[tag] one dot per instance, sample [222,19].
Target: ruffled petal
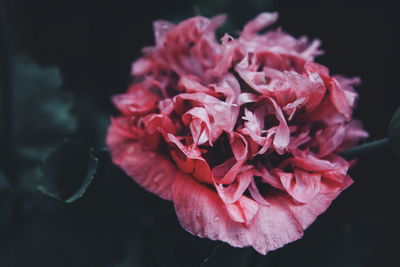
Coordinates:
[241,134]
[282,135]
[139,100]
[189,160]
[201,212]
[199,124]
[231,193]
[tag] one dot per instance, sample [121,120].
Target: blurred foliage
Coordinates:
[61,182]
[394,132]
[42,116]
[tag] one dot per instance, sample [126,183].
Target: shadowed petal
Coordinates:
[152,170]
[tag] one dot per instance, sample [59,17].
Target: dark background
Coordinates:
[93,43]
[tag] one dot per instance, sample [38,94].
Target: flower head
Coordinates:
[242,134]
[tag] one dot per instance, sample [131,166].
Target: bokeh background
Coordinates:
[84,49]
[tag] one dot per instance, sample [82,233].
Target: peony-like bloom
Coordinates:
[242,135]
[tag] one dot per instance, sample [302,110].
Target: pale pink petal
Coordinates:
[347,85]
[231,193]
[309,162]
[238,145]
[243,210]
[199,124]
[224,114]
[339,99]
[260,22]
[191,84]
[245,98]
[291,108]
[311,88]
[282,135]
[330,138]
[161,28]
[302,186]
[256,195]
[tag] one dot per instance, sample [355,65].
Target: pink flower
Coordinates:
[242,135]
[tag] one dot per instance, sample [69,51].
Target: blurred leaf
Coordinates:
[394,132]
[4,185]
[42,111]
[42,116]
[67,172]
[5,208]
[92,121]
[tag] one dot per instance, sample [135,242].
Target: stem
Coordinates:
[6,152]
[366,149]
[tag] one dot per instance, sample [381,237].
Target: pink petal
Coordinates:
[347,85]
[234,191]
[139,100]
[161,28]
[243,210]
[307,213]
[282,135]
[245,98]
[291,108]
[260,22]
[339,99]
[271,179]
[191,84]
[329,139]
[238,145]
[224,114]
[189,160]
[155,122]
[199,124]
[309,162]
[201,212]
[226,172]
[312,89]
[256,195]
[152,170]
[302,186]
[123,126]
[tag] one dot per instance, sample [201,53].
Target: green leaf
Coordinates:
[394,132]
[67,172]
